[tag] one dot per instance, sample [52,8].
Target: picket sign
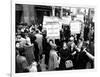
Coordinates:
[80,17]
[52,26]
[75,27]
[66,20]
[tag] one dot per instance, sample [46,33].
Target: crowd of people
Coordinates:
[36,53]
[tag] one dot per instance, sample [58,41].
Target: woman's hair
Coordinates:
[17,42]
[21,51]
[51,41]
[37,31]
[23,34]
[64,43]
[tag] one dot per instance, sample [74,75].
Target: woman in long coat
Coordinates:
[53,58]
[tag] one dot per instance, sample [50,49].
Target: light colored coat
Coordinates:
[53,60]
[39,38]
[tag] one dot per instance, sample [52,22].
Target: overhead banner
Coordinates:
[52,26]
[75,27]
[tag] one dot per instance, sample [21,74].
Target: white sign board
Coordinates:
[80,17]
[66,20]
[74,11]
[52,26]
[75,27]
[53,30]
